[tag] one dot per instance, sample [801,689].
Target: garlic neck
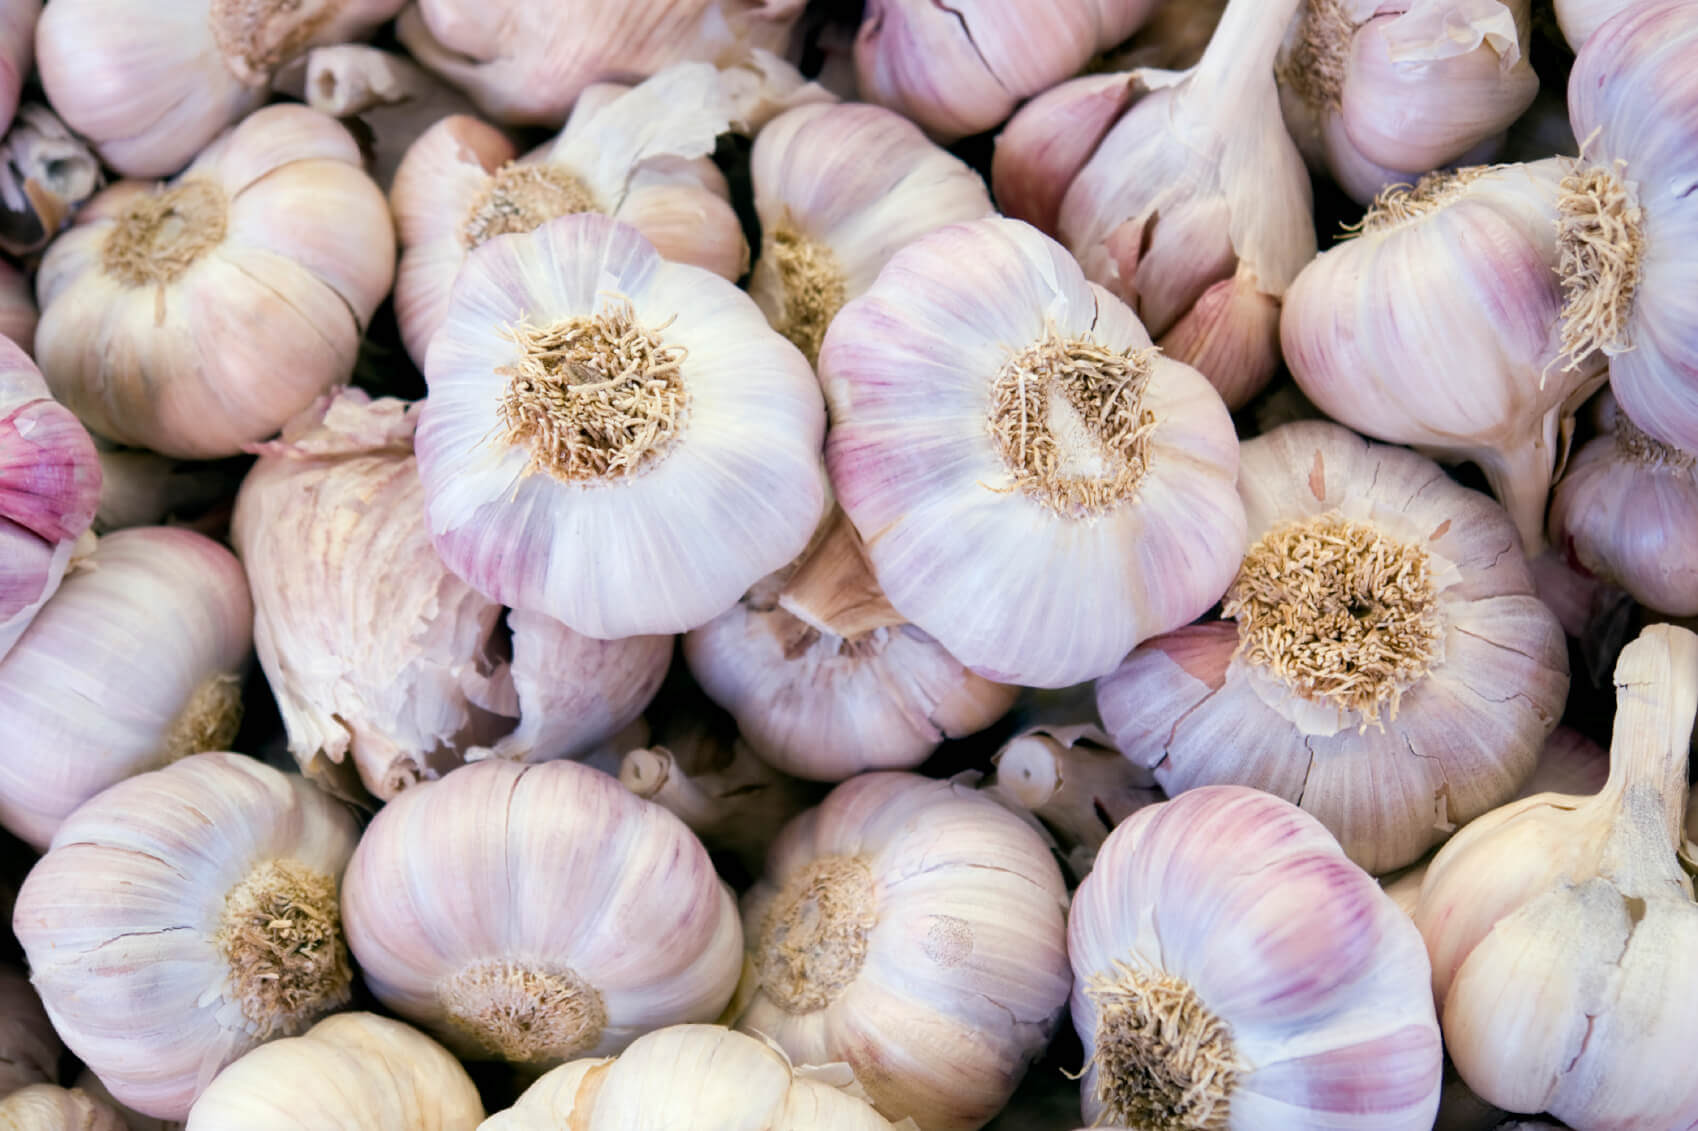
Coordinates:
[161,235]
[814,939]
[834,591]
[1239,60]
[1656,681]
[521,198]
[281,935]
[812,283]
[1601,246]
[523,1013]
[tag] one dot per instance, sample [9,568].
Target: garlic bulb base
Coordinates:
[522,197]
[520,1014]
[1163,1061]
[161,235]
[281,934]
[814,941]
[208,721]
[1601,237]
[809,283]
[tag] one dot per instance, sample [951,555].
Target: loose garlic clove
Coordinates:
[198,318]
[350,1072]
[46,173]
[29,1048]
[185,916]
[913,929]
[1382,662]
[1233,971]
[47,1107]
[1038,488]
[154,626]
[538,913]
[648,505]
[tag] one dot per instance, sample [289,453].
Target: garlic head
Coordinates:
[48,1107]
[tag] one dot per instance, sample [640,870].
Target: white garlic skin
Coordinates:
[29,1048]
[155,627]
[47,1107]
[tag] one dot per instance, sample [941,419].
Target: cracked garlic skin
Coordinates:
[1232,971]
[915,930]
[1037,487]
[48,1107]
[154,626]
[1560,926]
[29,1048]
[185,916]
[1381,659]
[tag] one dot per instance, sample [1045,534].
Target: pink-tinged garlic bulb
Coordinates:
[378,655]
[1233,971]
[46,173]
[1439,326]
[1381,660]
[18,315]
[47,1107]
[196,318]
[49,490]
[29,1048]
[839,190]
[613,440]
[1037,487]
[539,913]
[638,154]
[915,930]
[526,65]
[1578,19]
[151,85]
[1378,92]
[185,916]
[961,69]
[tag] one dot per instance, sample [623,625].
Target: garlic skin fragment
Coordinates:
[1558,925]
[197,318]
[29,1048]
[1036,544]
[915,930]
[1233,971]
[47,1107]
[349,1072]
[185,916]
[647,509]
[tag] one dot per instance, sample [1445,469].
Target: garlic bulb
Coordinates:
[1037,487]
[17,52]
[366,1072]
[17,307]
[538,913]
[616,441]
[1381,660]
[639,154]
[839,190]
[693,1076]
[915,930]
[154,626]
[1232,970]
[29,1048]
[46,173]
[47,1107]
[150,86]
[185,916]
[1379,92]
[1558,926]
[131,1119]
[1438,327]
[1578,19]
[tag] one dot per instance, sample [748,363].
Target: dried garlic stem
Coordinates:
[1080,791]
[1601,238]
[738,808]
[1656,682]
[523,197]
[834,590]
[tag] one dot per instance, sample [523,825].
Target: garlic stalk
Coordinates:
[47,1107]
[1578,19]
[18,315]
[185,916]
[1038,488]
[1558,925]
[46,173]
[29,1048]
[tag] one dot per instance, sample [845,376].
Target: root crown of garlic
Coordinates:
[521,1013]
[281,934]
[158,237]
[813,941]
[521,198]
[1601,240]
[1316,63]
[813,284]
[1163,1060]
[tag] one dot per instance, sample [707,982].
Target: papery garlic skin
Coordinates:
[1031,569]
[1233,970]
[47,1107]
[29,1048]
[197,318]
[185,916]
[365,1072]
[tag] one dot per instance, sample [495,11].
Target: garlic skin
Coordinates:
[1557,925]
[198,318]
[150,88]
[647,510]
[46,173]
[132,1120]
[1383,662]
[1232,970]
[1035,544]
[366,1072]
[185,916]
[538,913]
[47,1107]
[29,1048]
[915,930]
[639,154]
[1438,326]
[1578,19]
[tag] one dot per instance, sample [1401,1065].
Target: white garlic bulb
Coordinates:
[185,916]
[915,930]
[154,627]
[538,913]
[1233,971]
[196,318]
[1038,489]
[349,1072]
[614,440]
[1578,19]
[47,1107]
[29,1048]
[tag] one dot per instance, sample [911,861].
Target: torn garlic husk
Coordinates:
[197,317]
[48,1107]
[1558,925]
[150,87]
[185,916]
[46,173]
[29,1048]
[1232,971]
[1439,326]
[612,439]
[1037,487]
[1381,660]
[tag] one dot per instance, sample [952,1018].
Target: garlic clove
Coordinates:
[1231,333]
[1044,146]
[687,224]
[47,1107]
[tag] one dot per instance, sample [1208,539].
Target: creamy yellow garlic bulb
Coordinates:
[29,1048]
[47,1107]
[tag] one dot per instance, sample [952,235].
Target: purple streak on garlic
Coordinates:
[1037,487]
[29,1048]
[1233,971]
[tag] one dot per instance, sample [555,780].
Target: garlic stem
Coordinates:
[737,808]
[1656,681]
[834,590]
[1520,477]
[654,775]
[1240,56]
